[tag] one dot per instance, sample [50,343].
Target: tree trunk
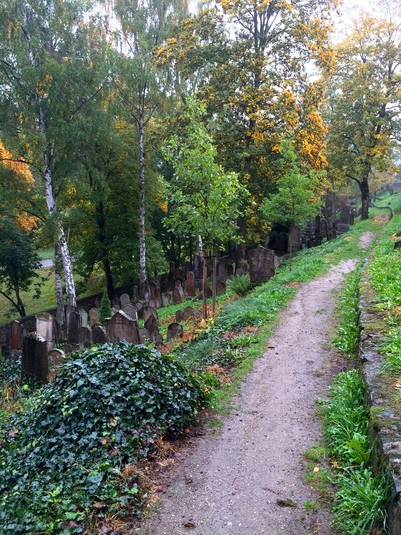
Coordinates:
[364,187]
[142,209]
[58,265]
[52,208]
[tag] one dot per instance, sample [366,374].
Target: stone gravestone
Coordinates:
[147,312]
[222,268]
[191,284]
[99,335]
[174,330]
[156,298]
[124,300]
[131,311]
[135,294]
[188,313]
[35,364]
[116,303]
[73,327]
[221,288]
[122,327]
[310,232]
[56,357]
[166,298]
[44,327]
[93,316]
[17,336]
[84,337]
[144,335]
[323,228]
[179,316]
[344,223]
[145,292]
[261,265]
[83,317]
[151,325]
[179,287]
[295,236]
[176,296]
[156,338]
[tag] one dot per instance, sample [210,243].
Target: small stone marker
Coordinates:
[99,335]
[191,284]
[93,316]
[124,300]
[131,311]
[174,330]
[188,313]
[122,327]
[85,337]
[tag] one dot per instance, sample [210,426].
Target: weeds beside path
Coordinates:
[249,479]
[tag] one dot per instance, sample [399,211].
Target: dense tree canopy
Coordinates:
[89,98]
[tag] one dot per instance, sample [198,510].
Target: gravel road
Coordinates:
[249,479]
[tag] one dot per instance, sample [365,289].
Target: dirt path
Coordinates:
[232,483]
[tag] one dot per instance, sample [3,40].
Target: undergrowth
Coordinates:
[361,498]
[71,455]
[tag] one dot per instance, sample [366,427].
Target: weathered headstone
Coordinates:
[344,223]
[144,335]
[177,296]
[151,325]
[135,294]
[35,364]
[191,284]
[174,330]
[188,313]
[166,286]
[93,316]
[56,357]
[156,338]
[17,335]
[83,317]
[145,291]
[166,298]
[221,288]
[116,303]
[295,239]
[179,316]
[73,327]
[179,287]
[147,312]
[198,266]
[122,327]
[85,337]
[261,265]
[99,335]
[44,327]
[222,268]
[131,311]
[124,300]
[156,299]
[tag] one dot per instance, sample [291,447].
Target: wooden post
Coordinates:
[214,282]
[204,284]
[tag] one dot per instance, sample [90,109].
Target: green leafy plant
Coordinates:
[105,308]
[64,457]
[347,335]
[239,284]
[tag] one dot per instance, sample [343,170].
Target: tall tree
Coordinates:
[250,58]
[19,263]
[363,102]
[145,24]
[48,73]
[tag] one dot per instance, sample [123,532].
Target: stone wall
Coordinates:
[385,421]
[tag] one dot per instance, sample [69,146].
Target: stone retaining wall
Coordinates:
[385,421]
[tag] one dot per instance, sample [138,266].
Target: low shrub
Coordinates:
[64,458]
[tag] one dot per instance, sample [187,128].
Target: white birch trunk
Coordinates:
[52,208]
[142,208]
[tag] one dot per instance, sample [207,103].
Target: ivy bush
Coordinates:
[65,456]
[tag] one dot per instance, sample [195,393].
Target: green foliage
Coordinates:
[105,308]
[360,503]
[65,454]
[296,196]
[361,498]
[19,262]
[239,284]
[204,200]
[347,335]
[345,419]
